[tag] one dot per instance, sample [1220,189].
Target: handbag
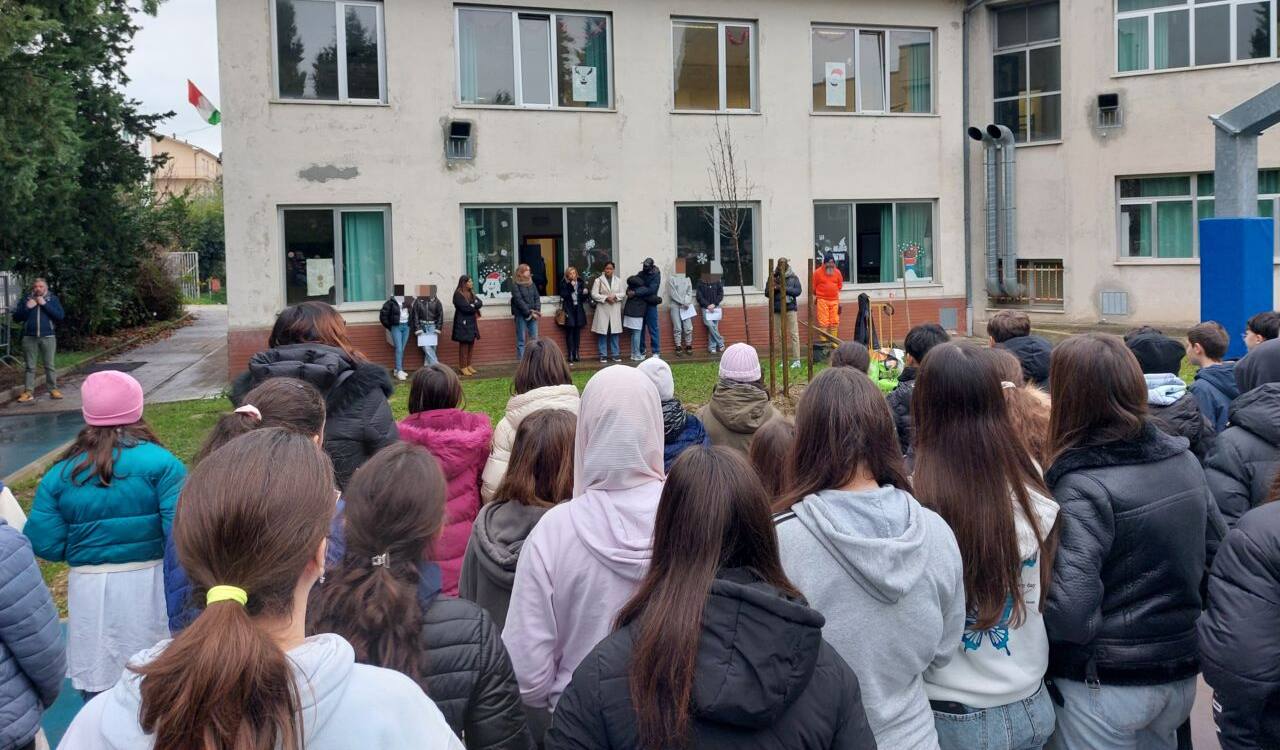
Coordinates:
[561,319]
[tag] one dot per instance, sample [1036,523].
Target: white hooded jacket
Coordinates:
[504,435]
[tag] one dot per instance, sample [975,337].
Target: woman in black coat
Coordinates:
[1245,456]
[309,342]
[716,649]
[573,301]
[384,598]
[466,309]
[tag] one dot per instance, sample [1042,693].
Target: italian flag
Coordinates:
[208,112]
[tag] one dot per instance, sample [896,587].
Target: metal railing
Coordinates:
[1042,283]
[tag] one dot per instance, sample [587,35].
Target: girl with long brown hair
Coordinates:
[884,570]
[971,470]
[1029,406]
[106,508]
[539,477]
[251,532]
[717,649]
[466,325]
[1126,582]
[385,598]
[770,453]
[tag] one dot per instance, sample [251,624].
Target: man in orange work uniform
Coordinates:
[827,283]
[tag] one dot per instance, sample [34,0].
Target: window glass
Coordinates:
[309,259]
[743,227]
[1042,23]
[1127,5]
[1030,72]
[1132,52]
[1175,229]
[833,233]
[1253,31]
[1204,209]
[535,60]
[1205,183]
[697,65]
[1009,114]
[306,49]
[1044,117]
[1011,27]
[871,66]
[362,52]
[1213,35]
[1135,230]
[707,250]
[1269,181]
[1011,74]
[910,71]
[589,240]
[914,237]
[486,57]
[876,255]
[490,249]
[1046,69]
[696,241]
[737,67]
[582,52]
[1173,39]
[364,256]
[1154,187]
[833,70]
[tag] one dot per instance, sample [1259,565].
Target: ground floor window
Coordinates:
[876,243]
[496,239]
[335,254]
[1159,216]
[705,238]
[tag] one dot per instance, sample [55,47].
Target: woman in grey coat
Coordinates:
[681,298]
[32,656]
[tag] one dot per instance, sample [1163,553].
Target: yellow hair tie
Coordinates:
[226,593]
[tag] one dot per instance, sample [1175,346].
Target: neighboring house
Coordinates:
[189,167]
[437,138]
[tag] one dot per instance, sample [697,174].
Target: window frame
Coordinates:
[517,64]
[1196,200]
[338,209]
[930,280]
[1191,6]
[856,30]
[756,208]
[1025,49]
[722,73]
[340,37]
[515,233]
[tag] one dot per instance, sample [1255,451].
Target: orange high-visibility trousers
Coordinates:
[829,314]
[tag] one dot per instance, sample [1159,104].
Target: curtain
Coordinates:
[1132,40]
[920,93]
[596,55]
[888,253]
[1174,229]
[467,52]
[915,227]
[364,256]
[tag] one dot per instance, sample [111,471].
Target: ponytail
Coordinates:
[293,404]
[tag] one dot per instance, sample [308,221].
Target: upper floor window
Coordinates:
[534,59]
[1159,216]
[330,50]
[1164,34]
[856,70]
[714,65]
[1028,72]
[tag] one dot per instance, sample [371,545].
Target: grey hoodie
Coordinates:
[886,573]
[489,565]
[344,705]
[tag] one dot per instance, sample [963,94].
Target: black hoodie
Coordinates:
[1033,352]
[765,679]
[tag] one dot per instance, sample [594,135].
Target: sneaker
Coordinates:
[402,375]
[55,394]
[688,350]
[795,365]
[604,360]
[617,360]
[656,355]
[26,397]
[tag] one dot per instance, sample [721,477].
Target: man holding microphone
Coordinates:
[38,312]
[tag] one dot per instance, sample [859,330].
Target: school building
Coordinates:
[369,143]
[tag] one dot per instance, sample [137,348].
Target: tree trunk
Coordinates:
[742,285]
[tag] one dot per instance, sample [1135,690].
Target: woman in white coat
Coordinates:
[608,292]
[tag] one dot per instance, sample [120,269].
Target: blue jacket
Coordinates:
[32,655]
[95,524]
[38,320]
[1215,388]
[693,433]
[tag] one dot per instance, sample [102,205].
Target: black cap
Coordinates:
[1156,353]
[648,262]
[828,257]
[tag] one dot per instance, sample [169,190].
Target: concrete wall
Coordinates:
[641,156]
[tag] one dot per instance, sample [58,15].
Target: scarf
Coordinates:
[673,419]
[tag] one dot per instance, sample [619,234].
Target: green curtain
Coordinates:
[1174,230]
[920,91]
[364,256]
[1204,209]
[1132,53]
[467,52]
[889,263]
[473,221]
[596,54]
[915,227]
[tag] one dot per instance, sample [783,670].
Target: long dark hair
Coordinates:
[967,467]
[540,472]
[843,425]
[462,289]
[289,403]
[223,682]
[713,514]
[1098,393]
[769,454]
[1028,406]
[543,365]
[434,387]
[312,323]
[395,507]
[101,447]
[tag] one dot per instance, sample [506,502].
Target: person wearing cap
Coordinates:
[650,290]
[106,508]
[680,429]
[739,404]
[826,286]
[1169,402]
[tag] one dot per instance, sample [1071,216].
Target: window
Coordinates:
[714,65]
[1157,218]
[330,50]
[1165,34]
[534,59]
[876,243]
[705,239]
[548,238]
[1028,72]
[336,255]
[850,72]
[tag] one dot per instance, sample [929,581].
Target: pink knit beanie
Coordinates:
[740,362]
[110,399]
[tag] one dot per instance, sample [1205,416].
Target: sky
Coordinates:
[178,43]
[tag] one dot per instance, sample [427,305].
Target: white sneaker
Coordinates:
[795,365]
[402,375]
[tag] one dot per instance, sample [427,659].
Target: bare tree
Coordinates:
[731,193]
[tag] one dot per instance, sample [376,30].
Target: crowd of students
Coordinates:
[1019,548]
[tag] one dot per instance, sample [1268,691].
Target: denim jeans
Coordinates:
[651,325]
[607,344]
[429,352]
[525,328]
[400,336]
[715,342]
[44,348]
[637,343]
[1123,717]
[1025,725]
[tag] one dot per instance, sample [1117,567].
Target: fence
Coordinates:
[1042,282]
[185,269]
[10,293]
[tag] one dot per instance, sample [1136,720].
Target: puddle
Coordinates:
[26,437]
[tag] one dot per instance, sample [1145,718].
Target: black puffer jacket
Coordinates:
[525,301]
[358,421]
[470,676]
[1244,458]
[791,288]
[1239,637]
[1033,352]
[1183,418]
[900,404]
[765,679]
[1126,582]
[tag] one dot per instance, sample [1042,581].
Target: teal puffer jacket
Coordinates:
[95,524]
